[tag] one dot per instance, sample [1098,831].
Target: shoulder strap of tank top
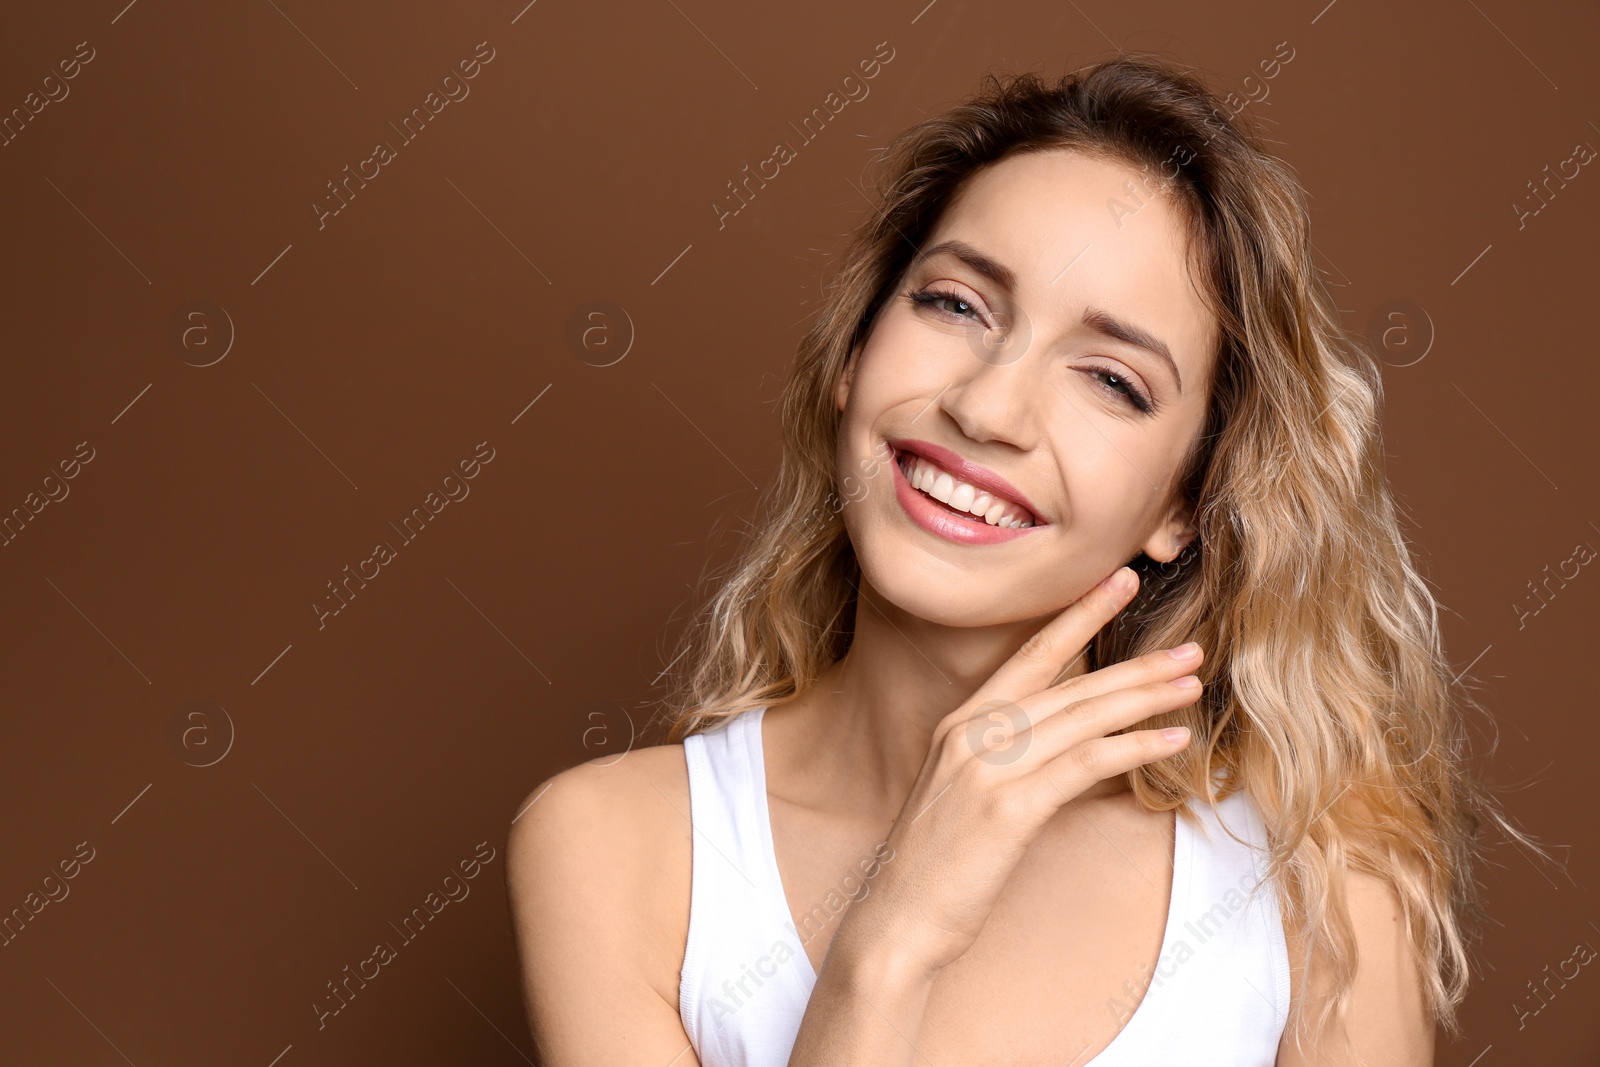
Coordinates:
[736,902]
[1231,862]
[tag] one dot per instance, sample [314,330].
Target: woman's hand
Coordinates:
[999,768]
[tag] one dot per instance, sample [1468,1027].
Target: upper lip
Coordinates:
[967,471]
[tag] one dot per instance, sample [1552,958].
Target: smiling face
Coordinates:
[1067,435]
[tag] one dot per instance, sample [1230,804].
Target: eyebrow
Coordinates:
[1097,319]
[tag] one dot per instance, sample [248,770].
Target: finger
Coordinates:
[1161,665]
[1075,770]
[1001,733]
[995,717]
[1087,721]
[1043,657]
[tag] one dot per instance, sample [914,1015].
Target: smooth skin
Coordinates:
[1025,894]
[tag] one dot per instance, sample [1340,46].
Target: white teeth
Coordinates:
[962,496]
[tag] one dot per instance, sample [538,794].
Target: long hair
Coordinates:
[1327,696]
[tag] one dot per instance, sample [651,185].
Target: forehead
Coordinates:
[1085,231]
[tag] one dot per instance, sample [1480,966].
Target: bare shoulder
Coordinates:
[605,798]
[1388,1021]
[598,873]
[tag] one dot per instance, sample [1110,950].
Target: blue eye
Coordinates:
[931,297]
[1123,387]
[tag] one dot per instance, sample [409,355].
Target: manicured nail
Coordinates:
[1121,581]
[1188,681]
[1184,651]
[1176,733]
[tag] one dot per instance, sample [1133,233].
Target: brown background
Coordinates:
[359,762]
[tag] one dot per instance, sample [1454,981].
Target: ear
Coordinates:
[1174,534]
[841,388]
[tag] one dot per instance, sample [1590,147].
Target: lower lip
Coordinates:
[941,521]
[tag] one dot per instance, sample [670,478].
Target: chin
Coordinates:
[942,591]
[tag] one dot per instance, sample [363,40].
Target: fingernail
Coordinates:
[1121,581]
[1184,651]
[1188,681]
[1176,733]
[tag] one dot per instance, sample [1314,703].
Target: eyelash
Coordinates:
[930,297]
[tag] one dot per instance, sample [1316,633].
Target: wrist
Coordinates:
[872,959]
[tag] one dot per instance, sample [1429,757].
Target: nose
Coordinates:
[997,401]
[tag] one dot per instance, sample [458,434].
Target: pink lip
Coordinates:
[967,471]
[938,519]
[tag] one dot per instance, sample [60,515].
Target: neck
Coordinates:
[869,720]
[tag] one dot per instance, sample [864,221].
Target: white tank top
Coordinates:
[1219,995]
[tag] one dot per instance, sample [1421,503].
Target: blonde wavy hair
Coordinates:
[1325,679]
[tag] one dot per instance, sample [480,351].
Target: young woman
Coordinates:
[1076,700]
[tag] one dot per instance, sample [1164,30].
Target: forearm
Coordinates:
[866,1007]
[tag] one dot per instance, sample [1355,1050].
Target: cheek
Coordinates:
[903,368]
[862,405]
[911,352]
[1110,472]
